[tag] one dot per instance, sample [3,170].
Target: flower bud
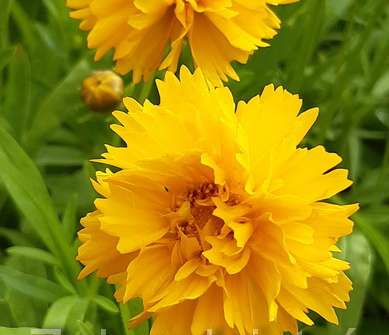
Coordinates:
[102,90]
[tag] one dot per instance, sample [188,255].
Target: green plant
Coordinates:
[334,53]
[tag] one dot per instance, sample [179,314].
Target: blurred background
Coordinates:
[334,53]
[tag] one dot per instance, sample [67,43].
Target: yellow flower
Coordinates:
[148,35]
[216,218]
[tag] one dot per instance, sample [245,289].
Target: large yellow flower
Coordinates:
[215,218]
[149,34]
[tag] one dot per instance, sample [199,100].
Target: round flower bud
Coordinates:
[102,90]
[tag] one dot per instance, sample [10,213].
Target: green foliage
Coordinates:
[335,54]
[15,331]
[29,285]
[357,251]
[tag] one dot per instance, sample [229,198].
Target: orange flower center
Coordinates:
[193,213]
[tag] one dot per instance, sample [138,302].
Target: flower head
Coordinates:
[148,35]
[216,218]
[102,90]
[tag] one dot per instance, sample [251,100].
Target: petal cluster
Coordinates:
[216,217]
[148,35]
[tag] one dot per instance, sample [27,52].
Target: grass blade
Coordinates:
[59,312]
[33,286]
[33,254]
[358,252]
[25,185]
[52,112]
[15,331]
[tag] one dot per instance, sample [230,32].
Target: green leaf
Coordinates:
[34,254]
[15,237]
[24,183]
[64,186]
[354,148]
[25,310]
[5,57]
[6,318]
[17,99]
[357,251]
[313,17]
[52,112]
[52,8]
[63,281]
[55,155]
[336,9]
[129,310]
[85,328]
[59,312]
[106,304]
[24,24]
[66,313]
[36,287]
[69,219]
[26,187]
[15,331]
[4,16]
[381,88]
[378,240]
[77,315]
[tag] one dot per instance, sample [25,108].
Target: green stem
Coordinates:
[385,162]
[125,316]
[146,89]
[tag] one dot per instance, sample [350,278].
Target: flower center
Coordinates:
[193,212]
[203,193]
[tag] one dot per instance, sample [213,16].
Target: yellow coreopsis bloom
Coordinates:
[148,35]
[216,218]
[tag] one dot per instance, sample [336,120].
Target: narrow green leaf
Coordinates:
[77,315]
[378,240]
[24,24]
[354,148]
[131,309]
[85,328]
[33,286]
[4,16]
[5,57]
[66,314]
[52,112]
[25,309]
[55,155]
[15,331]
[15,237]
[106,304]
[34,254]
[125,316]
[63,281]
[59,312]
[17,99]
[357,251]
[25,185]
[6,318]
[52,8]
[69,219]
[337,8]
[313,17]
